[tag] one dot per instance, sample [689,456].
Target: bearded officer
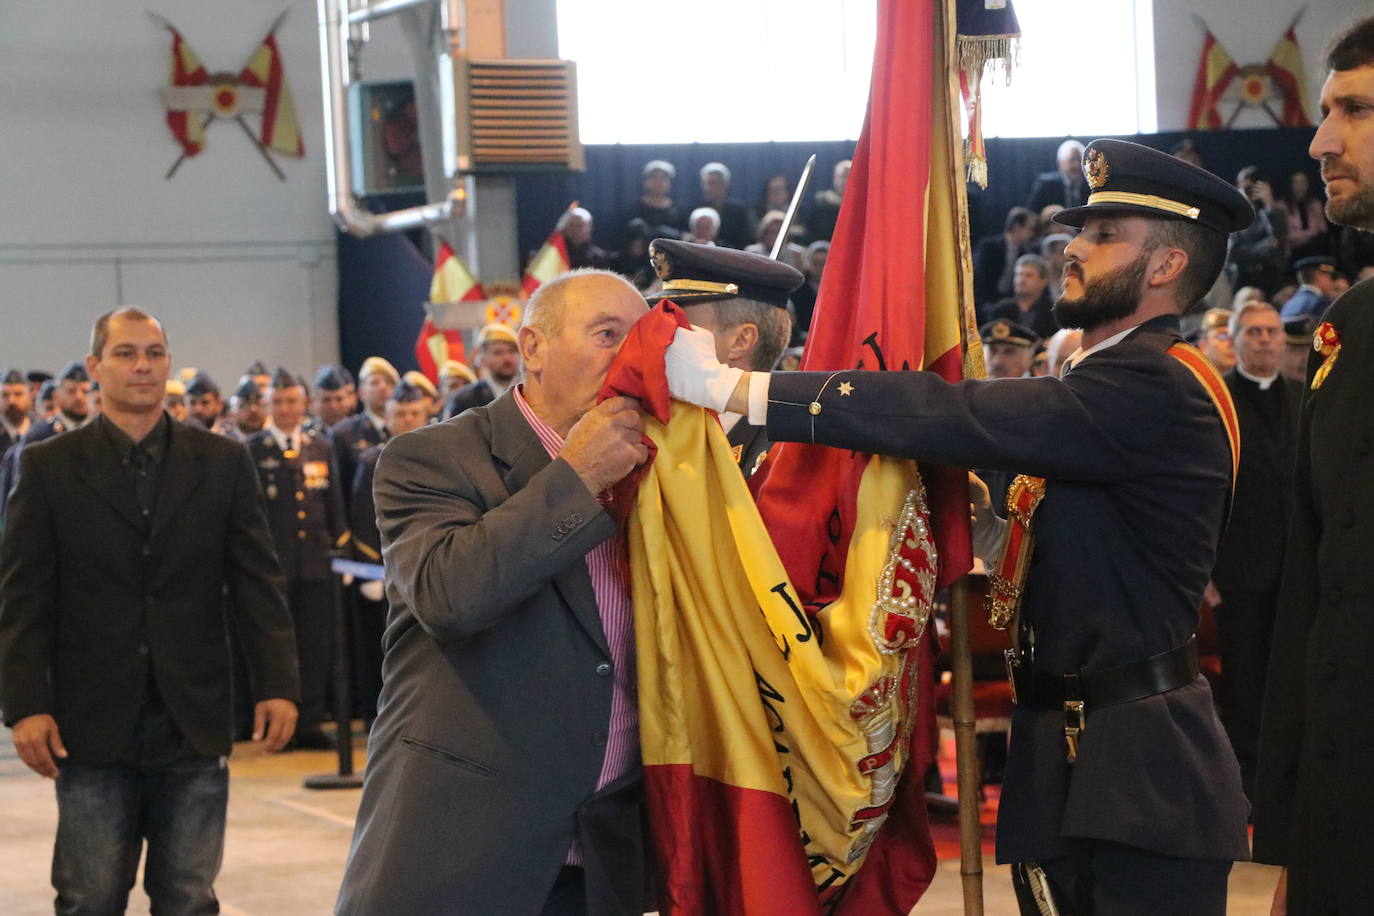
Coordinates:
[741,298]
[1121,794]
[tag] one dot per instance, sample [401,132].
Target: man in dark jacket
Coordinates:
[1314,801]
[1065,185]
[1246,577]
[122,539]
[1121,792]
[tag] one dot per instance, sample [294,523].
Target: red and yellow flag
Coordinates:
[1285,67]
[452,282]
[279,129]
[1215,71]
[547,263]
[187,70]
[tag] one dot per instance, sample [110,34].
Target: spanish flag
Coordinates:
[1215,71]
[547,263]
[187,70]
[1285,67]
[452,282]
[784,667]
[279,129]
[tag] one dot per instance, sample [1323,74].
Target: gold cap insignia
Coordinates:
[1001,331]
[662,266]
[1095,168]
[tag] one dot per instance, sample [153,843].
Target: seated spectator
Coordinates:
[1317,288]
[1307,228]
[1030,303]
[1063,344]
[825,205]
[1047,226]
[735,229]
[1040,362]
[703,226]
[1064,186]
[777,195]
[655,205]
[1007,348]
[769,227]
[1246,294]
[804,296]
[1258,254]
[577,232]
[1052,250]
[632,260]
[1214,339]
[1280,298]
[1187,150]
[994,258]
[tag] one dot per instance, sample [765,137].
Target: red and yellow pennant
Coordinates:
[187,70]
[452,282]
[1215,72]
[278,127]
[1285,68]
[548,262]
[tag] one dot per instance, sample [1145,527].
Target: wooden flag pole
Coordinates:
[966,751]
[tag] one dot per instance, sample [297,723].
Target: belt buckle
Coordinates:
[1075,723]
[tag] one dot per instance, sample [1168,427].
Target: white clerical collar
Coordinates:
[280,435]
[1263,383]
[1080,354]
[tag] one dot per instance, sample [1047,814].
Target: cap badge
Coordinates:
[1001,331]
[662,266]
[1095,168]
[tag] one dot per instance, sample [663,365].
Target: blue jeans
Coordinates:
[159,790]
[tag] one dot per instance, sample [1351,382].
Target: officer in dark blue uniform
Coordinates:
[336,396]
[15,412]
[377,379]
[741,297]
[305,513]
[70,395]
[1317,275]
[1122,795]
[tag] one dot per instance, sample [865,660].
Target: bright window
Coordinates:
[678,71]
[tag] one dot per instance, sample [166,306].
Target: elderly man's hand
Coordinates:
[605,445]
[695,375]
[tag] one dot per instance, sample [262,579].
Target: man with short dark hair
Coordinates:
[1121,792]
[204,404]
[1313,805]
[15,417]
[994,258]
[305,513]
[122,539]
[498,362]
[751,326]
[1030,304]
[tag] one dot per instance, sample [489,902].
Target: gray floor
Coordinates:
[286,845]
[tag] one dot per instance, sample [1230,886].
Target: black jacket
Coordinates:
[1138,470]
[1049,188]
[1314,799]
[94,599]
[350,437]
[473,394]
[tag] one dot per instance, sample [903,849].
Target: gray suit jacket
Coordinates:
[491,728]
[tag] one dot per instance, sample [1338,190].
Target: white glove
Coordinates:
[373,590]
[695,375]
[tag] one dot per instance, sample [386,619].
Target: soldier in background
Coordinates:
[204,406]
[247,411]
[498,362]
[305,513]
[431,394]
[406,410]
[336,396]
[355,434]
[17,404]
[174,402]
[452,376]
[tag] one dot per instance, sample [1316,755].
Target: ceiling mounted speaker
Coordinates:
[517,115]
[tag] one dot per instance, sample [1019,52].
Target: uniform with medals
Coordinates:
[305,514]
[696,275]
[1121,790]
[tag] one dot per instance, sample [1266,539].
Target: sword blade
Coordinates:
[792,208]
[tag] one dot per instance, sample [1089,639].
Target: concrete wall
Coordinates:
[1248,30]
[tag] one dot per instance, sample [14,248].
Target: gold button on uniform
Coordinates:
[301,535]
[300,496]
[815,408]
[301,515]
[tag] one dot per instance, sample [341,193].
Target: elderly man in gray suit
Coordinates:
[504,772]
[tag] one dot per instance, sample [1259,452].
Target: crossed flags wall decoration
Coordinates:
[197,97]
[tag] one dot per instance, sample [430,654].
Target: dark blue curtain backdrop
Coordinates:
[384,281]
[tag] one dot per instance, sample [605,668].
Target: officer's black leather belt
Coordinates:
[1107,686]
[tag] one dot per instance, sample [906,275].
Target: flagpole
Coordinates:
[966,750]
[182,158]
[262,148]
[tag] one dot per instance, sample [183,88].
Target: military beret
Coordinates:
[1299,330]
[13,377]
[201,384]
[333,378]
[1000,330]
[452,368]
[248,390]
[38,376]
[285,378]
[376,365]
[257,368]
[1130,178]
[74,371]
[421,381]
[497,331]
[46,389]
[1324,263]
[175,388]
[695,273]
[407,392]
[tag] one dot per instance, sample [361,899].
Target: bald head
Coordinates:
[548,307]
